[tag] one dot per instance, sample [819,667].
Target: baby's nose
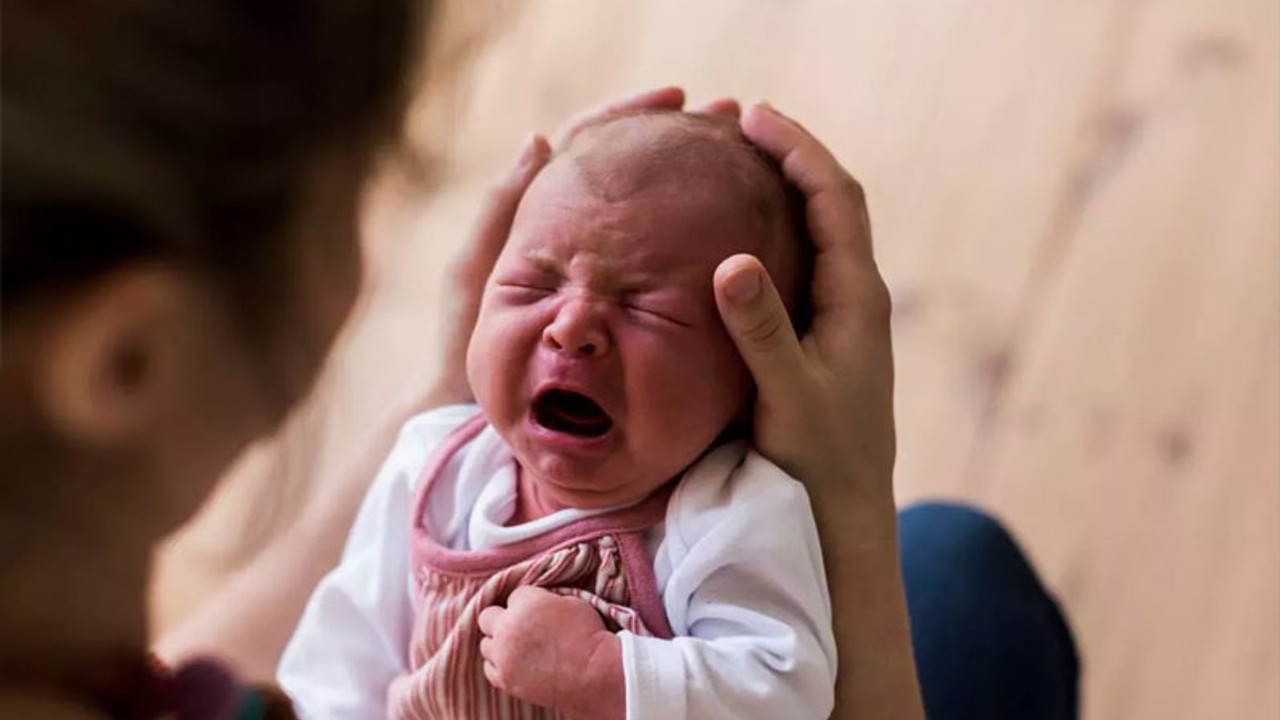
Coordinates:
[577,332]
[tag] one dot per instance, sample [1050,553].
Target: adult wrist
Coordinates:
[849,514]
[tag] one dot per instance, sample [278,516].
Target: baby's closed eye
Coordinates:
[527,288]
[659,307]
[668,307]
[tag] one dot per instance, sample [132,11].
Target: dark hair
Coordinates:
[182,129]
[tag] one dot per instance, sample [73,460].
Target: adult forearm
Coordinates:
[251,617]
[877,677]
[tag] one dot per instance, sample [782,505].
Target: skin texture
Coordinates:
[607,291]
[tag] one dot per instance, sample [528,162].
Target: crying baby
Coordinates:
[594,539]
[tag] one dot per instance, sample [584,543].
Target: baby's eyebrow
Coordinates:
[542,260]
[609,277]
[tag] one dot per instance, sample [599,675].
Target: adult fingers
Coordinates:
[727,107]
[471,265]
[666,98]
[498,210]
[835,205]
[806,162]
[757,321]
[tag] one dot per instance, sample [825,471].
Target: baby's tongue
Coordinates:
[573,413]
[579,409]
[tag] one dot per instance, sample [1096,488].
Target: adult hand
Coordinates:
[467,274]
[824,408]
[824,412]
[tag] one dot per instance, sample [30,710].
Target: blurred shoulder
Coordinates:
[33,706]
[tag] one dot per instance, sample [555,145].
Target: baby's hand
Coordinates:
[554,651]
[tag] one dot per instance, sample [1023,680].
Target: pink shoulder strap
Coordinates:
[453,442]
[628,525]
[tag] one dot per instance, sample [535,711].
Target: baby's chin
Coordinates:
[589,500]
[588,480]
[570,482]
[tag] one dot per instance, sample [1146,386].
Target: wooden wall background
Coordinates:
[1077,208]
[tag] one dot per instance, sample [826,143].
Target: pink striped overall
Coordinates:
[601,559]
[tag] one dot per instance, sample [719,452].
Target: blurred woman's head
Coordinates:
[180,188]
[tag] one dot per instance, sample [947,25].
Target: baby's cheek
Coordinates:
[693,388]
[733,380]
[497,361]
[720,360]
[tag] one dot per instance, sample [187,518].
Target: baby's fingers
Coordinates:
[494,675]
[490,620]
[489,656]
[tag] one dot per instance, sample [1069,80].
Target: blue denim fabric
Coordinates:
[990,643]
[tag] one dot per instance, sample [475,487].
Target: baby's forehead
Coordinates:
[700,168]
[626,155]
[660,228]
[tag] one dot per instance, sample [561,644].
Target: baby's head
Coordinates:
[599,355]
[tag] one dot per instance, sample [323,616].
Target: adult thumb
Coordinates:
[753,313]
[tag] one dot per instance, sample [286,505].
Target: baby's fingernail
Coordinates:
[743,286]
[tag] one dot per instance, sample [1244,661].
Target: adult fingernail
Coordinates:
[743,286]
[527,151]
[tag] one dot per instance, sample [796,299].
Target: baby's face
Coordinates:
[599,355]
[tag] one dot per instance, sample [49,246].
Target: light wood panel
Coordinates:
[1135,444]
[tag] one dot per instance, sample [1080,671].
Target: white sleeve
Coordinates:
[746,595]
[352,640]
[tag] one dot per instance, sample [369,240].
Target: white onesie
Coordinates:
[736,562]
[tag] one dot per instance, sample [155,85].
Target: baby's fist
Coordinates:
[554,651]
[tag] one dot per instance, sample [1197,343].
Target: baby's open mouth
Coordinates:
[571,413]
